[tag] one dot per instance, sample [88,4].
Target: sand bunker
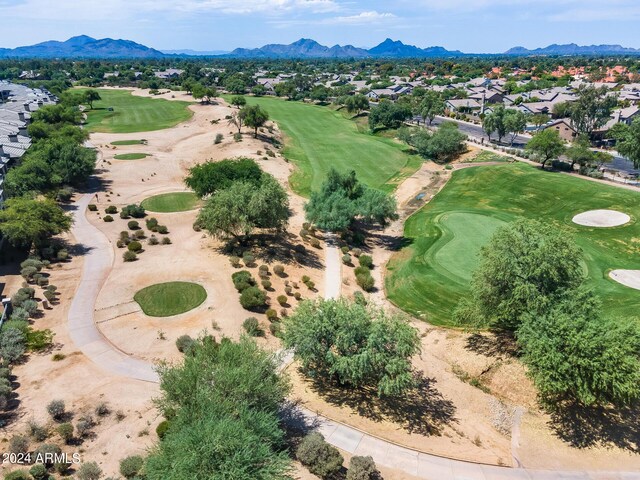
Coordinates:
[628,278]
[601,218]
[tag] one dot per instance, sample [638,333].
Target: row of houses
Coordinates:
[17,103]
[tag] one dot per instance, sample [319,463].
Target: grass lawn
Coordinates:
[171,298]
[171,202]
[486,156]
[134,114]
[317,138]
[428,277]
[129,142]
[131,156]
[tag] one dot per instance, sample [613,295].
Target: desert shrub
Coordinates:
[235,261]
[242,280]
[124,236]
[65,430]
[248,259]
[346,259]
[304,233]
[275,328]
[359,298]
[89,471]
[102,409]
[252,326]
[92,207]
[366,261]
[271,314]
[362,468]
[38,472]
[166,241]
[252,298]
[129,256]
[288,290]
[315,243]
[58,357]
[18,475]
[282,300]
[305,279]
[310,285]
[365,281]
[32,262]
[318,456]
[162,229]
[278,270]
[152,223]
[56,409]
[43,281]
[111,210]
[18,444]
[266,284]
[12,345]
[36,431]
[84,425]
[135,211]
[344,249]
[297,295]
[28,273]
[139,235]
[237,137]
[184,343]
[162,428]
[18,315]
[131,466]
[38,340]
[263,269]
[48,451]
[133,225]
[107,218]
[153,240]
[134,246]
[218,139]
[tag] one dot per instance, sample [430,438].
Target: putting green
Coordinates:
[121,112]
[131,156]
[128,142]
[171,298]
[318,138]
[171,202]
[430,276]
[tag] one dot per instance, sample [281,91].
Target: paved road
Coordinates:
[98,261]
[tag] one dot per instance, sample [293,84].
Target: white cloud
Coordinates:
[362,18]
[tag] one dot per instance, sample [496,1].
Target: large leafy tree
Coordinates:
[628,141]
[431,105]
[353,345]
[210,177]
[522,267]
[254,117]
[91,95]
[388,115]
[356,103]
[25,222]
[70,162]
[546,145]
[515,122]
[442,145]
[243,207]
[342,200]
[574,355]
[591,110]
[222,405]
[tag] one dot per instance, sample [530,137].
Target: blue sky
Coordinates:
[477,26]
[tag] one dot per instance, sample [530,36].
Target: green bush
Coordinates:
[242,280]
[12,345]
[263,269]
[362,468]
[365,281]
[131,466]
[107,218]
[252,327]
[38,340]
[129,256]
[92,207]
[278,270]
[282,300]
[271,314]
[252,298]
[162,429]
[111,210]
[359,298]
[248,259]
[134,246]
[56,409]
[344,249]
[18,444]
[133,225]
[266,284]
[297,295]
[135,211]
[235,261]
[318,456]
[166,241]
[18,475]
[162,229]
[275,328]
[184,343]
[48,451]
[65,430]
[366,261]
[89,471]
[36,431]
[310,285]
[315,243]
[153,240]
[152,224]
[346,259]
[218,138]
[38,472]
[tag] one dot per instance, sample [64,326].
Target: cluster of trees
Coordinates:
[388,115]
[531,282]
[628,141]
[443,145]
[503,121]
[241,198]
[353,345]
[252,116]
[343,200]
[590,111]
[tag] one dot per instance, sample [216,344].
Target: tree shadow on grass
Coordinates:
[422,410]
[584,427]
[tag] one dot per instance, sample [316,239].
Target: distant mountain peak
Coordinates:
[574,49]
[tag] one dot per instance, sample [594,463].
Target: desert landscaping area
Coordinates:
[144,280]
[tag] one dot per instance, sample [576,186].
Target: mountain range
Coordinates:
[87,47]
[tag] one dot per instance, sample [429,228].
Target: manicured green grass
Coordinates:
[318,138]
[171,298]
[129,142]
[485,156]
[171,202]
[428,277]
[131,156]
[134,114]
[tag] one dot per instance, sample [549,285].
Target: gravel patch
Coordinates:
[601,218]
[628,278]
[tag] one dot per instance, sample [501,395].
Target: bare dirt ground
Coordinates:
[468,397]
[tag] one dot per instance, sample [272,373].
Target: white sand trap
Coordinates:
[601,218]
[628,278]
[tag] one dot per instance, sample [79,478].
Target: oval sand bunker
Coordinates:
[601,218]
[628,278]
